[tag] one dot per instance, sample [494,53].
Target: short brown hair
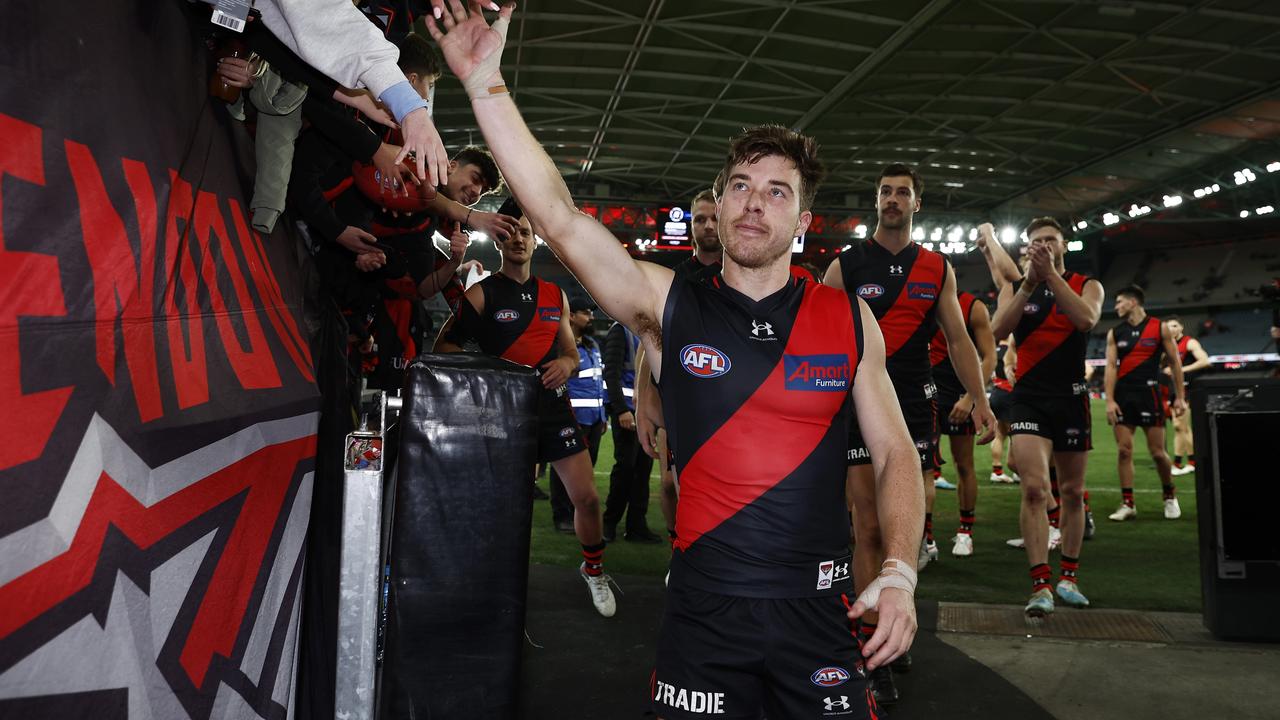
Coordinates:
[478,156]
[898,170]
[418,56]
[1046,221]
[766,140]
[1135,292]
[707,195]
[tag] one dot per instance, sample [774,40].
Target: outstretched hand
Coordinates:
[471,47]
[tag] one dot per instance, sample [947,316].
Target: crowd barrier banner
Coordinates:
[158,407]
[459,549]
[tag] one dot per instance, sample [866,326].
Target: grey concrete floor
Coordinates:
[1193,677]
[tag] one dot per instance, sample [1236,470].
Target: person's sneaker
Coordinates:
[923,559]
[1125,512]
[1016,480]
[565,526]
[1040,604]
[643,535]
[1184,470]
[1172,510]
[1055,537]
[932,548]
[963,545]
[1016,543]
[942,483]
[1001,478]
[601,594]
[902,664]
[1070,594]
[1089,527]
[882,687]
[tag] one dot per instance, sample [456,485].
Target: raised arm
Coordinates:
[1009,308]
[983,338]
[633,293]
[1002,267]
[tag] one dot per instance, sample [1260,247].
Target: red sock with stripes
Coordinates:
[593,559]
[997,469]
[1040,575]
[1054,516]
[1126,496]
[1070,566]
[1170,492]
[1086,501]
[928,527]
[966,522]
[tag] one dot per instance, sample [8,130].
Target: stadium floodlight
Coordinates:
[1008,235]
[1110,219]
[1075,245]
[1215,187]
[1265,209]
[927,245]
[1172,200]
[918,233]
[936,235]
[973,234]
[1244,213]
[1082,225]
[1199,192]
[860,231]
[1244,176]
[1136,210]
[1272,167]
[846,247]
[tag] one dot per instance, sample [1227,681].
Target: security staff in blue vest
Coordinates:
[586,395]
[629,480]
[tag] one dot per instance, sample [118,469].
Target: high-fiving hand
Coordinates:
[471,46]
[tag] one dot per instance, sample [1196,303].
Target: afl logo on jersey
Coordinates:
[830,677]
[867,292]
[1031,308]
[506,316]
[704,361]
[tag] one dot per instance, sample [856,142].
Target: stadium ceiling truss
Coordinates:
[1009,108]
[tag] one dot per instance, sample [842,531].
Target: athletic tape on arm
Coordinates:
[899,575]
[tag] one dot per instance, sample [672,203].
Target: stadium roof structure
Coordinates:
[1009,108]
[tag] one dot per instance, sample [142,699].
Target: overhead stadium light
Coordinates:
[1075,245]
[1244,176]
[1199,192]
[1265,209]
[917,234]
[927,245]
[973,234]
[1272,167]
[1244,213]
[1172,200]
[1082,225]
[1136,210]
[1008,235]
[1110,219]
[860,231]
[936,235]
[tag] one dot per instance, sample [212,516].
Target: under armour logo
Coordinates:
[841,704]
[527,297]
[756,327]
[895,269]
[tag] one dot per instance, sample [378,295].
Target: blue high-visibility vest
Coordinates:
[586,387]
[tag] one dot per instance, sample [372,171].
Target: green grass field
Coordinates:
[1149,564]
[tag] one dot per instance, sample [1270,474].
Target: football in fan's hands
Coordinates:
[369,180]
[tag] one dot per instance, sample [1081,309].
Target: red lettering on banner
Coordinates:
[255,368]
[186,339]
[30,286]
[282,320]
[122,289]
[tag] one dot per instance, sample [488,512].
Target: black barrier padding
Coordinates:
[459,548]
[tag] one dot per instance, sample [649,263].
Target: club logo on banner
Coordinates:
[160,407]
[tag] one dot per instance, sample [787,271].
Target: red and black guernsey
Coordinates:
[521,321]
[902,291]
[1138,353]
[944,373]
[1184,350]
[1050,349]
[757,401]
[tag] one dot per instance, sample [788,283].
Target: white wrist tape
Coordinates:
[477,84]
[899,575]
